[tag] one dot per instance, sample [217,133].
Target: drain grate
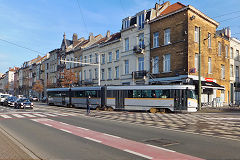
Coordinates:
[161,142]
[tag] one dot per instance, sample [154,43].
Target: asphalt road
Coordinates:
[50,143]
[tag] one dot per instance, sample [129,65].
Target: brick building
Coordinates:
[175,48]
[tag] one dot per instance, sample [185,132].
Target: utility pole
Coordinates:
[199,73]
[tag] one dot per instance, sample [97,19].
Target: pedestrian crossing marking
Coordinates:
[40,115]
[28,115]
[5,116]
[18,115]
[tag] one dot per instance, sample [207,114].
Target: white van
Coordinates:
[3,97]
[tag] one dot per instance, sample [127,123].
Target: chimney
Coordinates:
[91,37]
[108,34]
[64,35]
[75,39]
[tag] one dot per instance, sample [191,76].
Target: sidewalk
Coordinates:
[10,149]
[219,109]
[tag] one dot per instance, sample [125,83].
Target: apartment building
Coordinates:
[175,52]
[234,71]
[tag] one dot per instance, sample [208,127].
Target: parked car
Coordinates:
[3,97]
[23,103]
[10,101]
[34,99]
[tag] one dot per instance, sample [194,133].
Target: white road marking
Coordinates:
[111,135]
[39,115]
[48,114]
[93,139]
[83,128]
[63,123]
[48,125]
[66,130]
[138,154]
[160,148]
[29,115]
[5,116]
[18,115]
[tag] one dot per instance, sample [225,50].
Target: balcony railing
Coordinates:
[139,74]
[138,50]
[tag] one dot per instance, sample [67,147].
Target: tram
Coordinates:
[153,98]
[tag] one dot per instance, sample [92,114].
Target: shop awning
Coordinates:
[206,84]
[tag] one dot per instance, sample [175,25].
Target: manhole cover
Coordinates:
[161,142]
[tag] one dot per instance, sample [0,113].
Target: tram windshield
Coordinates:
[192,94]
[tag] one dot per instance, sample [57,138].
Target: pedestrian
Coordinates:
[88,104]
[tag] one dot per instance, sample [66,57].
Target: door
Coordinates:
[63,100]
[180,100]
[119,103]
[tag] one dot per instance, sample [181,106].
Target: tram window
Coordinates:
[110,94]
[91,93]
[137,94]
[166,94]
[130,94]
[162,94]
[79,94]
[191,94]
[146,93]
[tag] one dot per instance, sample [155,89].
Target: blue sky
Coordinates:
[40,24]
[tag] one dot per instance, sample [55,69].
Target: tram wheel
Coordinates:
[109,109]
[153,110]
[97,108]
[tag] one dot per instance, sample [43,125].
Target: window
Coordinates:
[209,65]
[222,71]
[117,72]
[156,65]
[231,71]
[96,73]
[209,40]
[226,51]
[90,58]
[167,36]
[155,40]
[85,75]
[126,23]
[127,44]
[103,73]
[219,48]
[141,40]
[196,37]
[231,52]
[126,67]
[166,63]
[110,57]
[109,73]
[90,74]
[96,57]
[117,55]
[237,52]
[103,59]
[141,21]
[85,59]
[80,76]
[196,61]
[237,74]
[141,63]
[81,60]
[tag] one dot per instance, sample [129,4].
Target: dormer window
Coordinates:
[126,23]
[141,21]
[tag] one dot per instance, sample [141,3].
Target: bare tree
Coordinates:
[38,87]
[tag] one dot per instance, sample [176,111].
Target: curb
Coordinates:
[20,145]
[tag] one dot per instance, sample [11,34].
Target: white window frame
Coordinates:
[156,65]
[103,74]
[196,34]
[141,21]
[90,58]
[209,40]
[110,57]
[117,72]
[96,73]
[126,44]
[109,73]
[237,74]
[117,55]
[196,61]
[209,65]
[126,66]
[231,70]
[103,58]
[222,71]
[167,63]
[226,51]
[140,63]
[141,40]
[167,36]
[231,53]
[155,39]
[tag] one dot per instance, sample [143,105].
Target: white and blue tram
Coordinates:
[151,98]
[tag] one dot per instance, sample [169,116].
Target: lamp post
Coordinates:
[199,73]
[70,94]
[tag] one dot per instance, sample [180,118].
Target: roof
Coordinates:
[172,8]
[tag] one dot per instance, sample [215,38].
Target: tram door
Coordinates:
[63,100]
[119,103]
[180,99]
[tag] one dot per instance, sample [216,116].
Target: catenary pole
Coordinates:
[199,73]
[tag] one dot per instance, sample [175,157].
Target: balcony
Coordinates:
[139,74]
[87,82]
[61,67]
[139,50]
